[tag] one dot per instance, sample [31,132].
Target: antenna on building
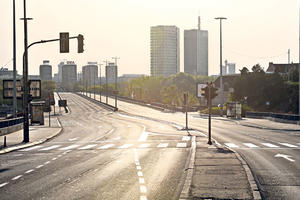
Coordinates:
[199,23]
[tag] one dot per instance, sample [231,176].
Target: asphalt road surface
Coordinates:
[99,155]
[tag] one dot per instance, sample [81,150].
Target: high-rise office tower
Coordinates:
[90,74]
[196,51]
[46,71]
[69,75]
[164,49]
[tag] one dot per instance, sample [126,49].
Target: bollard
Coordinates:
[4,142]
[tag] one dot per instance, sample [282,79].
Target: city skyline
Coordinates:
[249,34]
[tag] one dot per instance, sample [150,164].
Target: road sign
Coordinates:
[62,103]
[64,42]
[34,89]
[200,86]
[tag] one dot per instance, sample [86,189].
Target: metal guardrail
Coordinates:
[11,122]
[289,117]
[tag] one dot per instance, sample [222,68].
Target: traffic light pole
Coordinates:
[25,77]
[209,114]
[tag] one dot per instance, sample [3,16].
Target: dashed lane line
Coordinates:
[69,147]
[16,178]
[288,145]
[3,184]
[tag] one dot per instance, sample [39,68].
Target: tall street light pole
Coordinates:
[14,61]
[116,77]
[106,87]
[221,73]
[299,67]
[100,80]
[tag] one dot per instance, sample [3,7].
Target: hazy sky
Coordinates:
[257,31]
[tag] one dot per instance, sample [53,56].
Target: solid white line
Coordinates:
[138,167]
[250,145]
[39,166]
[106,146]
[144,135]
[231,145]
[288,145]
[270,145]
[186,138]
[50,148]
[17,177]
[69,147]
[29,171]
[143,198]
[181,145]
[125,146]
[31,148]
[163,145]
[140,173]
[88,146]
[144,146]
[3,184]
[143,189]
[141,180]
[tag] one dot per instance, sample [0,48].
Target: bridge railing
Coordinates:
[10,122]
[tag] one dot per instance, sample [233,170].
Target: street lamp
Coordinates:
[116,77]
[14,61]
[106,89]
[221,73]
[100,81]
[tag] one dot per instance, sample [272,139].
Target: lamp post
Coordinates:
[14,61]
[100,81]
[116,77]
[106,89]
[221,73]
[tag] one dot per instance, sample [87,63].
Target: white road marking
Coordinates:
[181,145]
[287,157]
[88,146]
[143,189]
[186,138]
[288,145]
[143,198]
[54,158]
[29,171]
[117,138]
[46,163]
[73,139]
[17,177]
[270,145]
[106,146]
[163,145]
[144,146]
[69,147]
[125,146]
[31,148]
[141,180]
[137,162]
[138,167]
[250,145]
[3,184]
[50,148]
[140,173]
[64,153]
[231,145]
[112,130]
[144,135]
[39,166]
[217,143]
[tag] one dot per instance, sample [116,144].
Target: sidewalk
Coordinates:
[220,174]
[37,133]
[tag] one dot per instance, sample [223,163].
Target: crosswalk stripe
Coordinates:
[50,148]
[288,145]
[125,146]
[181,145]
[250,145]
[88,146]
[163,145]
[73,146]
[144,145]
[186,138]
[107,146]
[270,145]
[31,148]
[231,145]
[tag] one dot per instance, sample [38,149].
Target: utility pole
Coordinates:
[100,81]
[209,85]
[106,89]
[116,81]
[25,80]
[14,61]
[289,54]
[221,67]
[299,67]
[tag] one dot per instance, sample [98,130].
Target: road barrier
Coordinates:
[274,116]
[11,125]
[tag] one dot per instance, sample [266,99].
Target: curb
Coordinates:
[18,147]
[190,171]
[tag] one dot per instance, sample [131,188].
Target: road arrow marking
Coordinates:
[287,157]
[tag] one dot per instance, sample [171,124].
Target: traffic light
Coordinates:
[80,43]
[64,42]
[213,91]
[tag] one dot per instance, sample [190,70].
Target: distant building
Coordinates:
[282,68]
[231,68]
[60,71]
[46,71]
[111,73]
[224,69]
[128,77]
[55,77]
[164,50]
[196,51]
[90,74]
[69,75]
[6,74]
